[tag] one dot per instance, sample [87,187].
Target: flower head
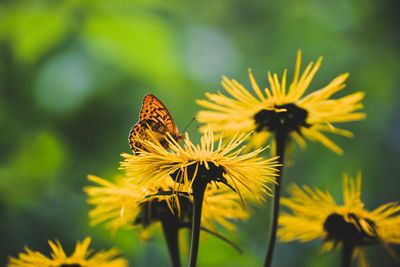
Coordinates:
[123,203]
[283,109]
[81,257]
[314,214]
[247,174]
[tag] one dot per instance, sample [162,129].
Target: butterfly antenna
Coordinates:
[190,122]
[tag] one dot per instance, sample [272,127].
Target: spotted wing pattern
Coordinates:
[153,115]
[154,110]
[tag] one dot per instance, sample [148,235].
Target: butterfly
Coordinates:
[154,115]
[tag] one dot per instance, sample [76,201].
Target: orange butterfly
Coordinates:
[153,115]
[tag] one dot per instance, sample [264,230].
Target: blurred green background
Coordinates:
[73,73]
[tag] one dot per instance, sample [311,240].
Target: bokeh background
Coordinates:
[73,73]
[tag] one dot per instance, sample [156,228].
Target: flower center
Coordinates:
[356,230]
[157,210]
[283,118]
[199,171]
[70,265]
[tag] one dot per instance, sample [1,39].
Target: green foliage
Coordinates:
[33,30]
[31,169]
[142,44]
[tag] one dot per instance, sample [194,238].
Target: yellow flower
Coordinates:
[282,109]
[248,174]
[194,167]
[314,214]
[127,204]
[82,257]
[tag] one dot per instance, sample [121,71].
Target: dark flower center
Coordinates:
[284,118]
[352,231]
[70,265]
[213,173]
[156,210]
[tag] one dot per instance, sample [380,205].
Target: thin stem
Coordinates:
[347,252]
[198,194]
[217,235]
[171,230]
[280,142]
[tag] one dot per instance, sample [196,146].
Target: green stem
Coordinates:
[347,253]
[171,231]
[280,142]
[217,235]
[198,194]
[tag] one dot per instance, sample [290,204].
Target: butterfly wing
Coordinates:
[153,114]
[157,114]
[137,132]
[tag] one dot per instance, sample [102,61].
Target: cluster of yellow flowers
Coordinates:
[172,182]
